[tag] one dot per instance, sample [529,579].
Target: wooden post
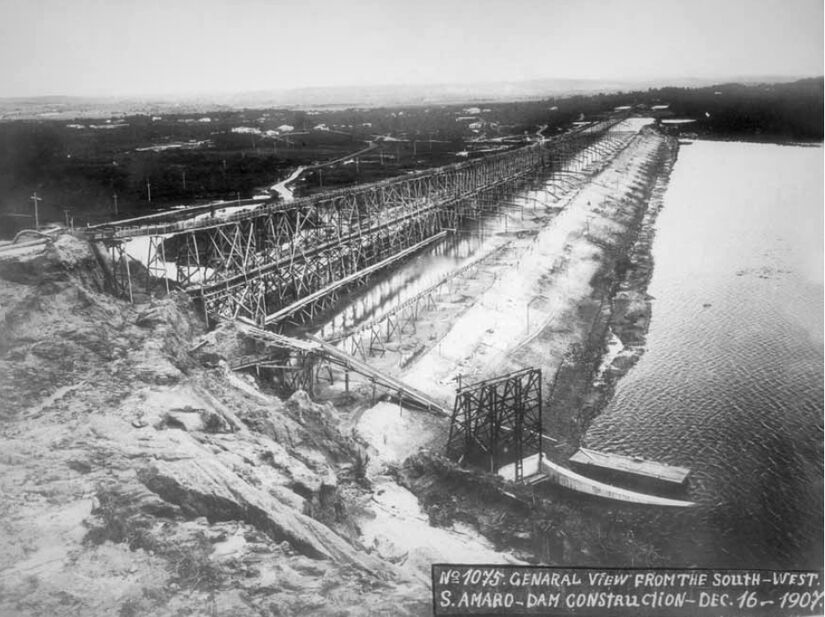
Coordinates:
[35,198]
[125,257]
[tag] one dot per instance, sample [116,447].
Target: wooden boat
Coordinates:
[538,470]
[612,467]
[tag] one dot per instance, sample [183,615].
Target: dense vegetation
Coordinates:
[77,167]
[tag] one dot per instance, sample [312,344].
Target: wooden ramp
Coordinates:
[630,466]
[396,388]
[546,471]
[275,339]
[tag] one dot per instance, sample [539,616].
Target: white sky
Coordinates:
[116,47]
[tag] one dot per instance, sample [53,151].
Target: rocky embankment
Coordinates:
[630,304]
[139,476]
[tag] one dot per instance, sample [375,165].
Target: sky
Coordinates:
[186,47]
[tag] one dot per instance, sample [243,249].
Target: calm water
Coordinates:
[731,383]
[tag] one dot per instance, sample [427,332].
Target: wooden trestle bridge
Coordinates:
[264,264]
[275,262]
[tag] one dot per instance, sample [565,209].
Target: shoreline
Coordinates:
[748,139]
[624,314]
[630,308]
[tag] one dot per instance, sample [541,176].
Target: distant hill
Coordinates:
[63,107]
[445,94]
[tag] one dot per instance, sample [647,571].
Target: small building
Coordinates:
[246,130]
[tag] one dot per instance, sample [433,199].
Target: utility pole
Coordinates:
[114,199]
[35,199]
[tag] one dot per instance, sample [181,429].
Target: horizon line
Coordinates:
[665,83]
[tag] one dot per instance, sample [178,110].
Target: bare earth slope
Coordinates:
[138,477]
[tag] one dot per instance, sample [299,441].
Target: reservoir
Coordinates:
[731,381]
